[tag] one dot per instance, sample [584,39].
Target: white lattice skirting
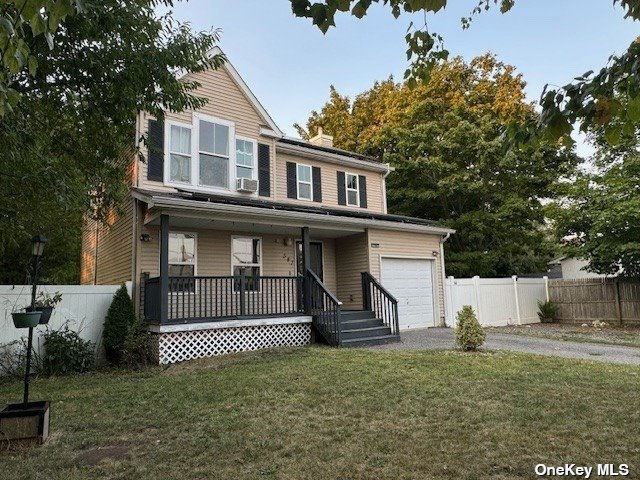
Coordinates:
[188,345]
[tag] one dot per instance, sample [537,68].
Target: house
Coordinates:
[237,237]
[571,268]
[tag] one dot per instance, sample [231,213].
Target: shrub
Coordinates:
[469,333]
[547,311]
[121,318]
[66,352]
[136,350]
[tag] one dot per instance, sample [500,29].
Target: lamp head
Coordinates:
[37,245]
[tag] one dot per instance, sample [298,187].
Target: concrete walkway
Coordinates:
[444,338]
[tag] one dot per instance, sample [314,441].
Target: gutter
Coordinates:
[331,157]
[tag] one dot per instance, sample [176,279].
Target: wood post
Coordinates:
[164,268]
[306,265]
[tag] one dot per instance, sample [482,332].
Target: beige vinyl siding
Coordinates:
[351,259]
[107,250]
[407,244]
[225,101]
[213,253]
[328,172]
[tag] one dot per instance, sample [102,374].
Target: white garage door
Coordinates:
[411,282]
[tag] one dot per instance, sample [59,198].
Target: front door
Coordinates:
[316,259]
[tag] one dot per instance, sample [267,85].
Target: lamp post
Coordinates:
[38,242]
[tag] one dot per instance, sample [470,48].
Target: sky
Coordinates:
[289,64]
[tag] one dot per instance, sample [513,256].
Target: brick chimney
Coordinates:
[321,139]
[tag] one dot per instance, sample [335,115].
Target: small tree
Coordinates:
[121,318]
[469,333]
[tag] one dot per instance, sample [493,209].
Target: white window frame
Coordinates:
[347,189]
[167,153]
[231,147]
[254,168]
[310,183]
[195,259]
[259,264]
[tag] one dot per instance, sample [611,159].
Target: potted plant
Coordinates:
[26,319]
[547,311]
[45,304]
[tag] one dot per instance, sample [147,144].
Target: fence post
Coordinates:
[515,293]
[546,287]
[449,292]
[476,286]
[616,289]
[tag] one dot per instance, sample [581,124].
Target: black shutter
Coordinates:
[362,183]
[317,184]
[342,191]
[292,180]
[155,140]
[264,172]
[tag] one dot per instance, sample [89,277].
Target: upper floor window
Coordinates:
[180,154]
[305,185]
[353,190]
[213,154]
[245,158]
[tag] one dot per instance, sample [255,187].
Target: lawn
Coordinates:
[320,413]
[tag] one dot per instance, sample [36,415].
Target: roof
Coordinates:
[320,148]
[287,207]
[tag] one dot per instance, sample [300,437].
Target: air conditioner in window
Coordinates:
[246,185]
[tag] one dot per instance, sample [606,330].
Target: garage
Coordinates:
[410,280]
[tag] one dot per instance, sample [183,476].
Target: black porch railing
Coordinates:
[378,299]
[207,298]
[325,309]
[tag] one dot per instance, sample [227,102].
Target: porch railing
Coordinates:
[207,298]
[325,309]
[378,299]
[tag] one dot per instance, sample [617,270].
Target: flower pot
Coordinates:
[26,319]
[45,311]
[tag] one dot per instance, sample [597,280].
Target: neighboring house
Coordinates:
[571,268]
[236,237]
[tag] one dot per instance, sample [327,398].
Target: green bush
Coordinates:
[547,311]
[469,333]
[121,318]
[136,351]
[66,352]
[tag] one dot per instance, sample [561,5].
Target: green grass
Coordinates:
[321,413]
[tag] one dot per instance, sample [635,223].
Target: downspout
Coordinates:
[444,277]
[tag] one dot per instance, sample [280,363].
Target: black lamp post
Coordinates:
[37,243]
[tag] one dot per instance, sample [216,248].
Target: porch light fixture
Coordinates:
[145,237]
[434,253]
[288,241]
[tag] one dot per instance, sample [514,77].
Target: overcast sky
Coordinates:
[289,64]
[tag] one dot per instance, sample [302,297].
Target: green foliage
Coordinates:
[73,130]
[452,162]
[66,352]
[469,333]
[120,320]
[136,351]
[45,300]
[588,101]
[547,311]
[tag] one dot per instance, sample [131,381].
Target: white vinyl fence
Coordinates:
[83,308]
[497,301]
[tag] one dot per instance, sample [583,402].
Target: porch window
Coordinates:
[213,154]
[182,261]
[353,190]
[180,153]
[305,186]
[246,260]
[245,158]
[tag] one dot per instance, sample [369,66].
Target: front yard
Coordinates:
[321,413]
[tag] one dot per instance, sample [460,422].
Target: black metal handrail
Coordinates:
[325,310]
[206,298]
[378,299]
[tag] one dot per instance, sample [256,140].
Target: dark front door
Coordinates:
[316,259]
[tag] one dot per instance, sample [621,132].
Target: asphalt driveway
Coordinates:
[444,338]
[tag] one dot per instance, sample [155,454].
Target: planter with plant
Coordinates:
[26,318]
[547,311]
[45,304]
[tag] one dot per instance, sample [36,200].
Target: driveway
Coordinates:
[444,338]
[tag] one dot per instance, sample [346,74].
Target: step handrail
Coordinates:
[325,309]
[380,301]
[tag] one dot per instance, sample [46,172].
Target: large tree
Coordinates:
[588,101]
[64,142]
[445,140]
